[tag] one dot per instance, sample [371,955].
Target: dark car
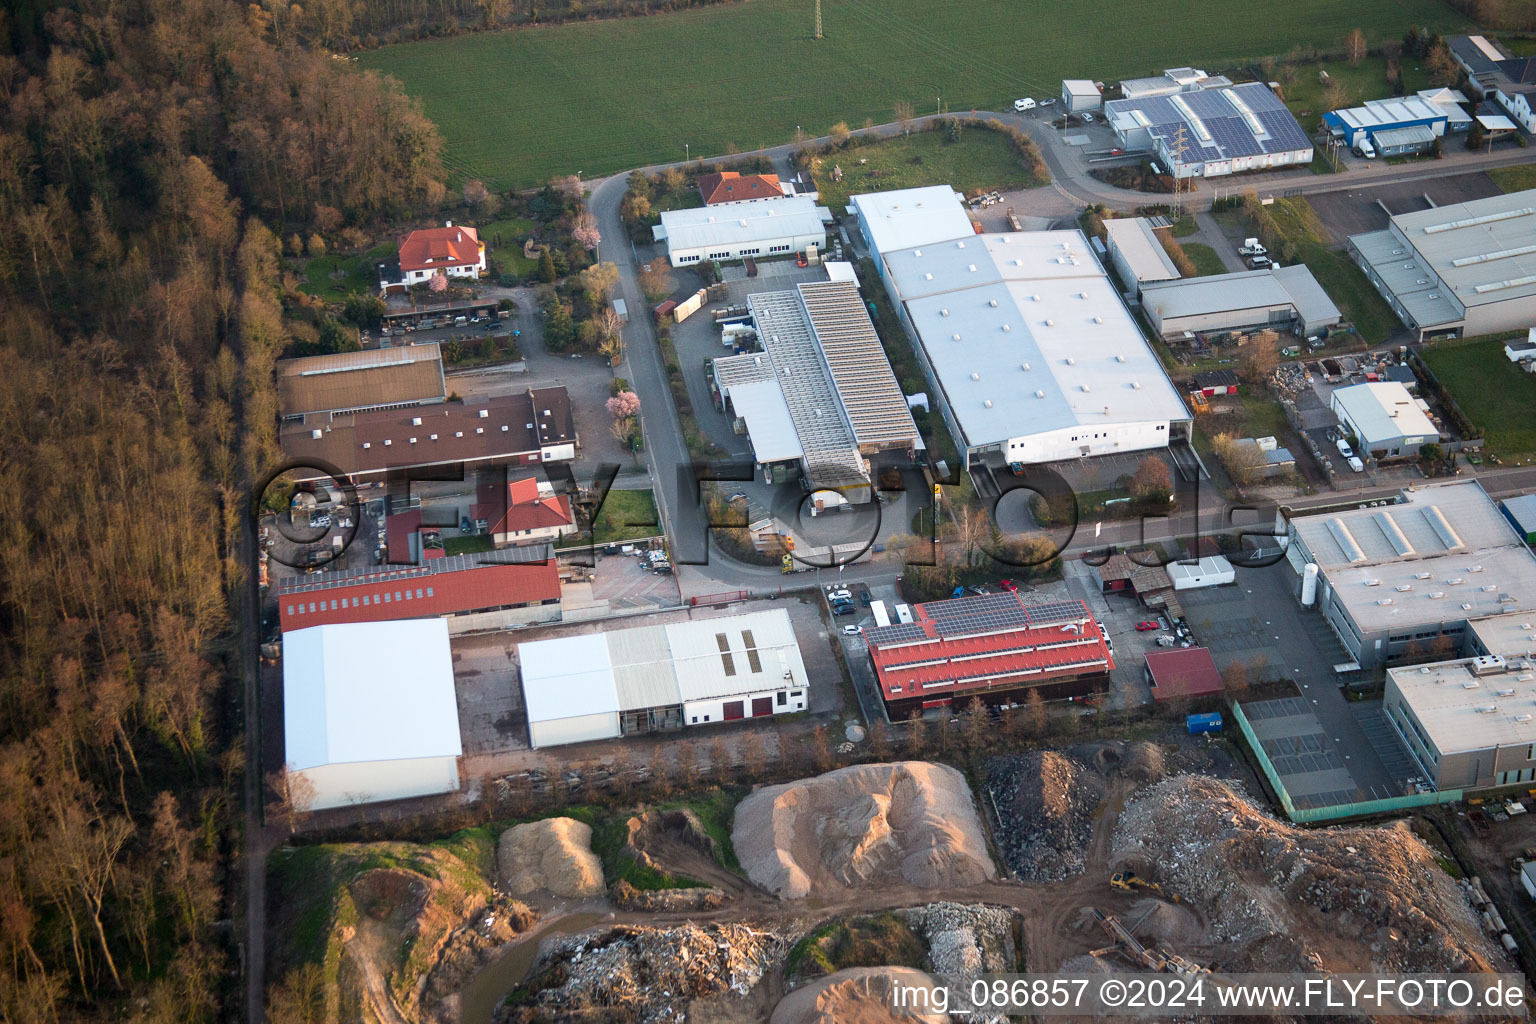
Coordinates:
[842,609]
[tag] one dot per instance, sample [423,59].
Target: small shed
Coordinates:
[1079,94]
[1211,571]
[1217,382]
[1521,513]
[1182,672]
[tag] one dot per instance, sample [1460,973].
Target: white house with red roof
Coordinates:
[456,250]
[525,511]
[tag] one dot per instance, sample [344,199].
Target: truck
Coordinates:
[882,617]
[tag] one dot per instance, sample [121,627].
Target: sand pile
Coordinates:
[858,995]
[1368,899]
[554,856]
[909,823]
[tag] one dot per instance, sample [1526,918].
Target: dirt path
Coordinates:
[364,951]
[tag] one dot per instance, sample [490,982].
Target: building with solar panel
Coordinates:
[1208,132]
[995,647]
[1393,580]
[1459,270]
[820,401]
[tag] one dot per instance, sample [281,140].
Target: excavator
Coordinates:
[1129,881]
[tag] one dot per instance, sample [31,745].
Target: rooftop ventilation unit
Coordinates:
[415,421]
[388,442]
[317,434]
[1086,389]
[1119,358]
[957,338]
[1024,366]
[987,403]
[367,444]
[1070,361]
[1039,394]
[1050,323]
[1135,385]
[928,277]
[943,312]
[1421,575]
[1099,320]
[1373,583]
[973,268]
[1487,665]
[975,376]
[413,440]
[1474,568]
[1436,595]
[1488,710]
[917,252]
[1007,328]
[1455,581]
[959,245]
[992,303]
[433,436]
[485,414]
[1466,607]
[1385,601]
[1034,298]
[1490,588]
[1404,588]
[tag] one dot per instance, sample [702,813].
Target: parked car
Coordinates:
[492,326]
[864,598]
[1258,262]
[738,496]
[842,609]
[1009,585]
[850,631]
[1344,448]
[1355,464]
[1147,627]
[1019,106]
[840,595]
[1087,117]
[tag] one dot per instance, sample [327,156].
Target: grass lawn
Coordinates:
[468,545]
[1366,81]
[1204,258]
[1344,282]
[1321,164]
[521,106]
[1494,393]
[626,515]
[980,160]
[1185,226]
[361,275]
[1514,179]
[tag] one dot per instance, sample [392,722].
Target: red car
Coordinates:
[1142,627]
[1009,586]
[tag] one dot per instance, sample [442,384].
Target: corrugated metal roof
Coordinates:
[863,376]
[733,225]
[567,678]
[757,650]
[642,668]
[370,379]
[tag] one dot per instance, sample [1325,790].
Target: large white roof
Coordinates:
[1132,237]
[567,677]
[756,651]
[369,691]
[741,222]
[769,426]
[1027,335]
[1462,711]
[905,217]
[659,666]
[1383,411]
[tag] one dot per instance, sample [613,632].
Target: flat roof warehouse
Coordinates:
[1027,335]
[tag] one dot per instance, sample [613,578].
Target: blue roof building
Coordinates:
[1403,124]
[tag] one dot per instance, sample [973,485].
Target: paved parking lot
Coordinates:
[1356,211]
[1313,769]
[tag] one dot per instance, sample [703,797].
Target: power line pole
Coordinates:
[1178,182]
[818,19]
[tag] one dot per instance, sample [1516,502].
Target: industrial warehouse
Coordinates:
[1031,353]
[1276,298]
[1207,127]
[821,397]
[766,227]
[994,647]
[1395,579]
[1460,270]
[631,681]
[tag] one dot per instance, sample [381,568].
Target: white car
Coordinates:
[1087,117]
[1344,448]
[1019,106]
[839,595]
[850,631]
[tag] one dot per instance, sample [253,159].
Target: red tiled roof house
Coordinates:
[730,187]
[523,512]
[994,647]
[455,250]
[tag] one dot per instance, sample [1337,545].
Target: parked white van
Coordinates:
[1019,106]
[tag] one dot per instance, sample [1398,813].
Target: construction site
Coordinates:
[806,901]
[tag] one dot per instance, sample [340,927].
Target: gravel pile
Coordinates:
[1045,801]
[967,940]
[553,855]
[1373,899]
[647,975]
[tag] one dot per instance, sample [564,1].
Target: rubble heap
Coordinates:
[911,823]
[1374,897]
[857,995]
[1045,800]
[647,975]
[967,940]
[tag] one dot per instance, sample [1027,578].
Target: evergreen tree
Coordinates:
[547,267]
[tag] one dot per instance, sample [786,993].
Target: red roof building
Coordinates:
[1182,672]
[519,512]
[456,251]
[994,647]
[514,579]
[730,187]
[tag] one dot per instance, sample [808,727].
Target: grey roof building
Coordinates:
[1467,724]
[1280,298]
[1466,269]
[1394,578]
[1212,131]
[1137,255]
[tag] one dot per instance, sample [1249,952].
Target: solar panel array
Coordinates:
[976,614]
[1055,612]
[863,376]
[524,555]
[1231,133]
[895,633]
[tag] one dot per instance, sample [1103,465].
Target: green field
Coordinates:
[1514,179]
[1364,81]
[519,107]
[1205,259]
[626,515]
[980,160]
[1495,394]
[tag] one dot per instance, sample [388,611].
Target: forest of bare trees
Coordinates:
[152,153]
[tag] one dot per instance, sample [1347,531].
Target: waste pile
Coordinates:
[1368,899]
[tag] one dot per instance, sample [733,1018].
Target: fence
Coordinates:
[1359,809]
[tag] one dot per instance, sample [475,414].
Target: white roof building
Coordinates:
[905,217]
[1468,723]
[1031,351]
[1136,252]
[1403,574]
[1387,420]
[625,682]
[370,712]
[768,227]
